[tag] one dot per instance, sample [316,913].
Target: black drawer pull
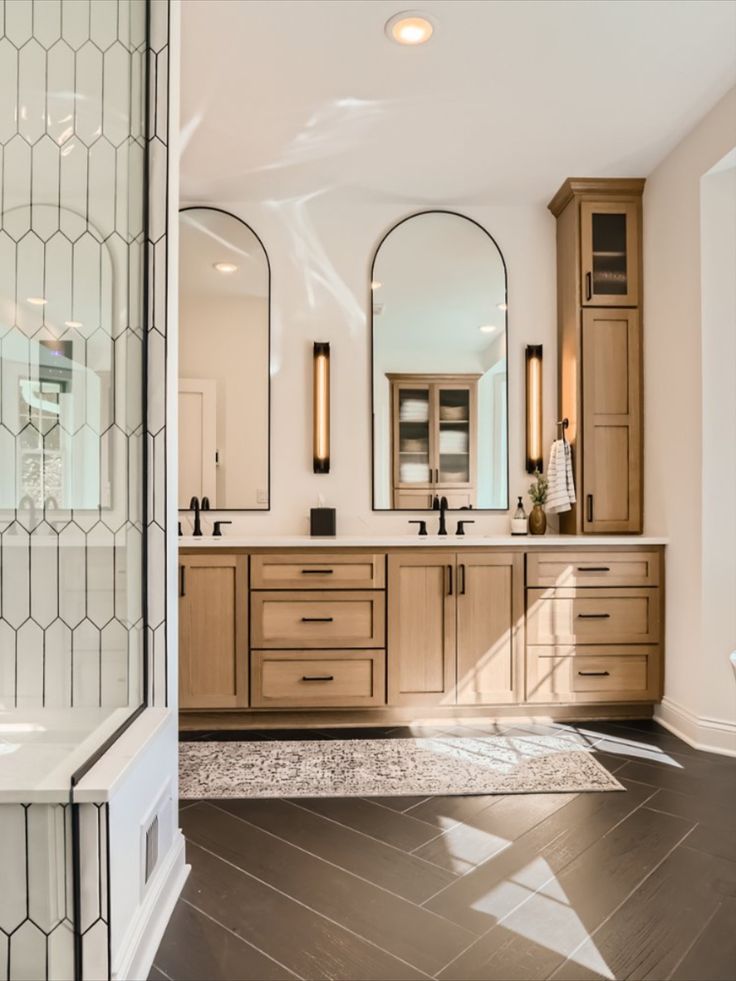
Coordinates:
[317,572]
[593,616]
[318,677]
[182,581]
[594,568]
[594,674]
[588,286]
[317,619]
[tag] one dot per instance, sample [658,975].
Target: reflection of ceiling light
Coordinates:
[377,309]
[73,323]
[37,301]
[226,267]
[487,328]
[409,27]
[375,285]
[502,306]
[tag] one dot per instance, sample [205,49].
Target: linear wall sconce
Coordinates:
[534,453]
[321,398]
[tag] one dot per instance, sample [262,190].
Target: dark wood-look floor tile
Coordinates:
[651,933]
[490,830]
[194,946]
[496,887]
[713,955]
[540,934]
[443,812]
[156,975]
[705,779]
[380,864]
[716,830]
[401,804]
[393,827]
[310,945]
[409,932]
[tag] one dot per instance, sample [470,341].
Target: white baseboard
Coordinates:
[142,942]
[712,735]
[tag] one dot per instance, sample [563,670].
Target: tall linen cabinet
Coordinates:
[599,298]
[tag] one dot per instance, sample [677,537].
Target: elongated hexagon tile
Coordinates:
[8,656]
[61,953]
[45,188]
[44,575]
[114,665]
[75,22]
[28,952]
[101,187]
[31,91]
[58,282]
[60,99]
[103,27]
[8,85]
[16,576]
[31,286]
[88,90]
[47,22]
[58,665]
[46,865]
[72,575]
[16,187]
[86,665]
[13,864]
[73,189]
[29,679]
[100,575]
[18,22]
[88,257]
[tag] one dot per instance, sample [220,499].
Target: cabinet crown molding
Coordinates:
[600,187]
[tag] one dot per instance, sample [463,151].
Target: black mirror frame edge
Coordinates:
[223,211]
[417,214]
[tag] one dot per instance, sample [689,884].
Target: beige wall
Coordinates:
[697,686]
[225,339]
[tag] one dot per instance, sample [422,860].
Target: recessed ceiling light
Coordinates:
[376,285]
[37,301]
[502,306]
[226,267]
[73,323]
[409,27]
[487,328]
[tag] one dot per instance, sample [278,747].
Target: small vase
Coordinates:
[537,520]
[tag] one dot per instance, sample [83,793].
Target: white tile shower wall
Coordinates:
[72,145]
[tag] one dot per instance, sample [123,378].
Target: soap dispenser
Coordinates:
[519,524]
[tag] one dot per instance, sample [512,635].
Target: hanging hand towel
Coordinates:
[561,493]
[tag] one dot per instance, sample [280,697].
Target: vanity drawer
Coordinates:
[592,674]
[318,619]
[318,679]
[592,616]
[592,569]
[311,571]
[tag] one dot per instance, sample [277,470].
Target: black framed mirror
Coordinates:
[224,362]
[439,382]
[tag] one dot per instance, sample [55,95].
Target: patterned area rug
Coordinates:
[390,767]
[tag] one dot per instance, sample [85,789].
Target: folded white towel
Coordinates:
[561,491]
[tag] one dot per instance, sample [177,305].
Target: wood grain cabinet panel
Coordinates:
[490,627]
[329,618]
[592,616]
[570,568]
[213,631]
[331,570]
[318,679]
[421,628]
[593,674]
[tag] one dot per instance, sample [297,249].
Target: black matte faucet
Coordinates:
[194,506]
[443,512]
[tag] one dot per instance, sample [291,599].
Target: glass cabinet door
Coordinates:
[413,441]
[610,263]
[454,438]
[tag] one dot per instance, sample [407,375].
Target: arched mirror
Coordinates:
[438,284]
[224,380]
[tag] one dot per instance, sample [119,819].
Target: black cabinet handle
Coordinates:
[588,286]
[462,580]
[318,677]
[594,616]
[317,572]
[449,580]
[594,568]
[317,619]
[182,581]
[594,674]
[589,505]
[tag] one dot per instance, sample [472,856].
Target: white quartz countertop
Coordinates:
[414,541]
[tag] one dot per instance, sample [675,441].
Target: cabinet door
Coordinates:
[421,628]
[454,423]
[413,445]
[213,631]
[490,627]
[611,472]
[609,253]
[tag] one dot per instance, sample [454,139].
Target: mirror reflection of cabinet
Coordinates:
[434,439]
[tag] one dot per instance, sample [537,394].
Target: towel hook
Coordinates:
[564,423]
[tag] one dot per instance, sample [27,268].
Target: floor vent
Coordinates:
[151,848]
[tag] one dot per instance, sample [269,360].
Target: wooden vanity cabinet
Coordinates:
[456,626]
[599,301]
[213,631]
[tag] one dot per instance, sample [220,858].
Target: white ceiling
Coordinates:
[288,98]
[207,237]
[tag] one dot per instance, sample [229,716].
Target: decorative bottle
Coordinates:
[518,522]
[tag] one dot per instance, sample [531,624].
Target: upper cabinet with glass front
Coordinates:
[609,253]
[439,366]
